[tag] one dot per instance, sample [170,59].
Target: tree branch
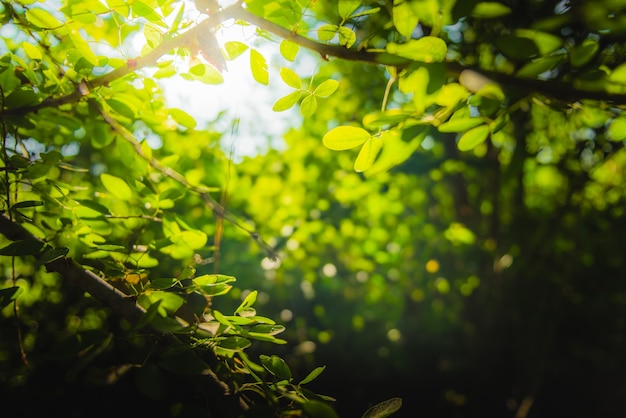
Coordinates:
[132,65]
[120,303]
[549,88]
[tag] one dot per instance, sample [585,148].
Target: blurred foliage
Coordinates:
[444,226]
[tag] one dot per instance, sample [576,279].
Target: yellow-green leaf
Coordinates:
[234,48]
[42,19]
[368,154]
[327,88]
[289,50]
[32,51]
[472,138]
[345,137]
[116,186]
[286,102]
[460,124]
[490,9]
[308,106]
[347,37]
[425,49]
[258,66]
[290,78]
[404,19]
[327,32]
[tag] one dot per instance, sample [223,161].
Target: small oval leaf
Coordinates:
[368,154]
[345,137]
[472,138]
[327,88]
[116,186]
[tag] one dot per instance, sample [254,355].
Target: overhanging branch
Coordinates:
[120,303]
[550,88]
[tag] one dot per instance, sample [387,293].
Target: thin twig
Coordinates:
[213,204]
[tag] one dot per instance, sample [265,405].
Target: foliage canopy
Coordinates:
[442,225]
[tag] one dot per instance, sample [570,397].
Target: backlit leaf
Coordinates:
[368,154]
[384,409]
[290,78]
[347,7]
[345,137]
[313,375]
[116,186]
[425,49]
[490,10]
[460,124]
[326,88]
[326,33]
[276,366]
[404,19]
[42,18]
[347,37]
[289,50]
[258,66]
[308,106]
[287,102]
[580,55]
[234,49]
[472,138]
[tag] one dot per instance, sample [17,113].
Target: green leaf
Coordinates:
[31,51]
[618,75]
[617,129]
[276,366]
[116,186]
[248,301]
[472,138]
[540,66]
[268,329]
[205,73]
[313,375]
[326,33]
[460,124]
[42,19]
[235,343]
[345,137]
[27,204]
[182,118]
[517,48]
[289,50]
[581,54]
[94,206]
[384,409]
[490,10]
[398,148]
[404,18]
[141,9]
[317,409]
[308,106]
[546,42]
[9,294]
[291,78]
[347,7]
[347,37]
[368,154]
[23,247]
[234,49]
[53,254]
[425,49]
[287,102]
[326,88]
[258,66]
